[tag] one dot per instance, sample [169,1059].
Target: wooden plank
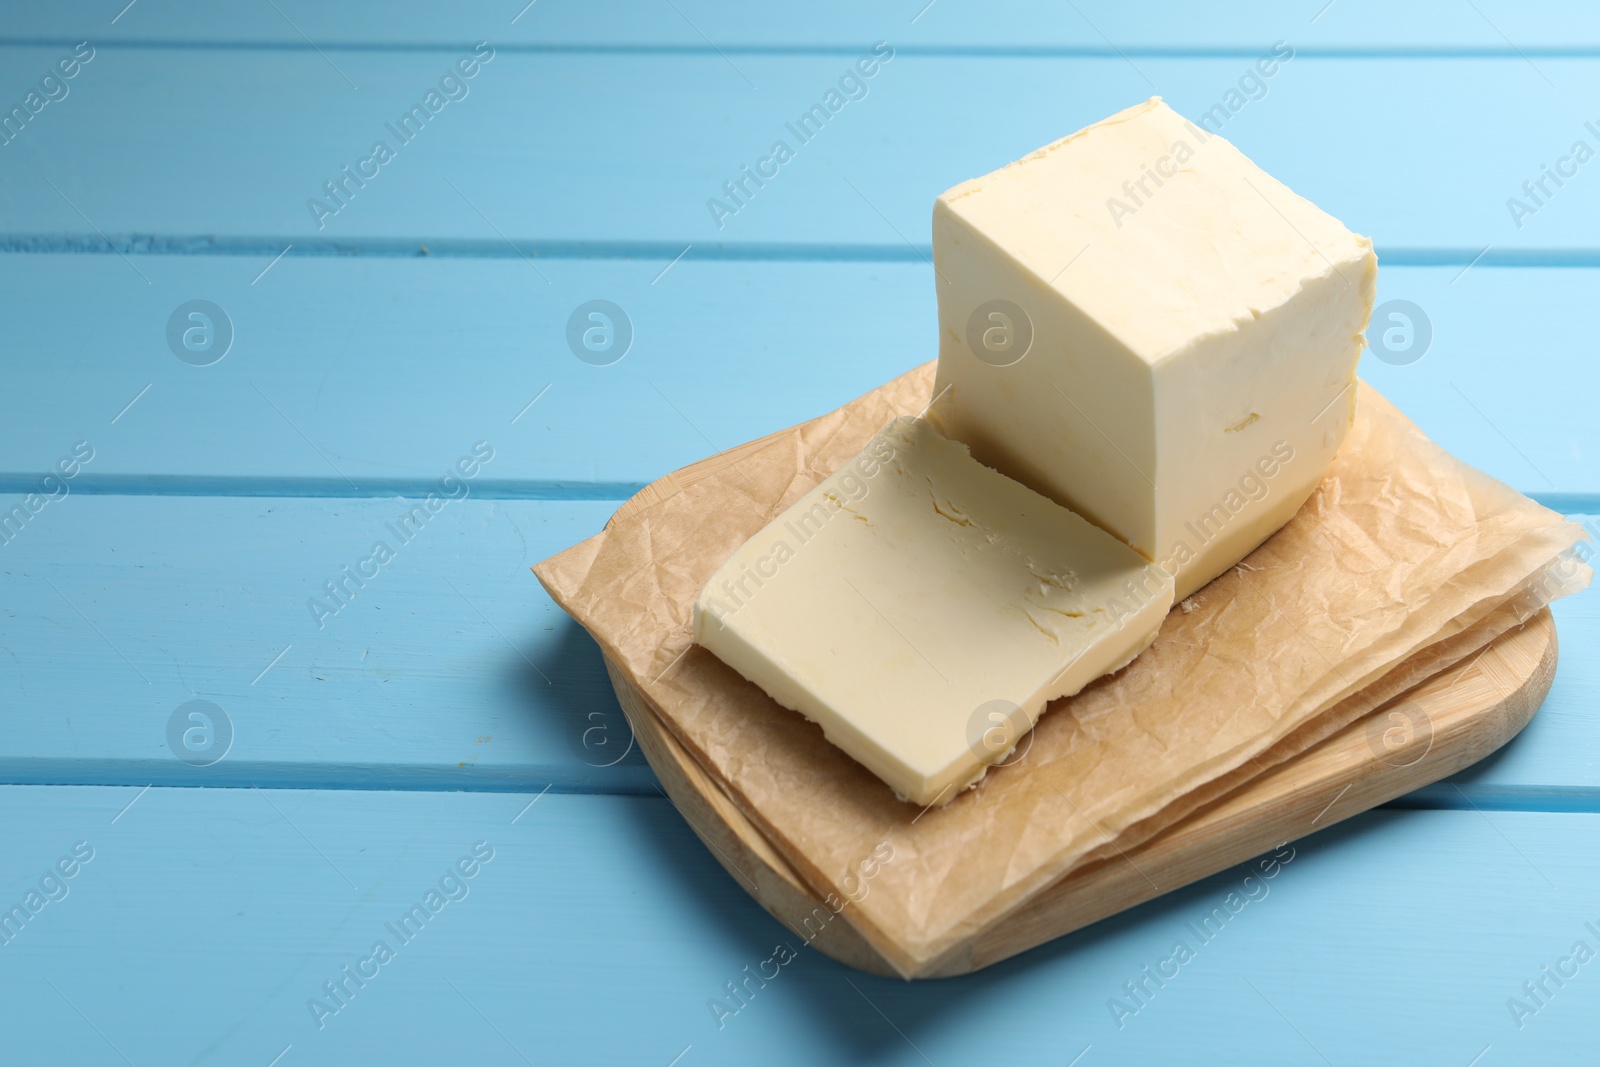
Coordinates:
[1352,24]
[396,689]
[383,371]
[447,669]
[227,147]
[589,901]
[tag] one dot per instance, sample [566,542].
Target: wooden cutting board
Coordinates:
[1449,722]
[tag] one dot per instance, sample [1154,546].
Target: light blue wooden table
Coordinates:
[210,890]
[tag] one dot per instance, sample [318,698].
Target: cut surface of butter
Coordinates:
[1141,324]
[922,609]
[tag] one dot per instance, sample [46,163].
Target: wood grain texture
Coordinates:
[385,371]
[241,140]
[601,928]
[210,916]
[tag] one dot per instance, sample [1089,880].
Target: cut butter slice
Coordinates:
[1141,324]
[922,608]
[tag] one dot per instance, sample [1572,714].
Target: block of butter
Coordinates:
[922,608]
[1144,326]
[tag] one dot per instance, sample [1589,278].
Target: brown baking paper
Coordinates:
[1404,557]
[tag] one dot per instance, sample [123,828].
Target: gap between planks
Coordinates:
[255,245]
[849,51]
[1441,796]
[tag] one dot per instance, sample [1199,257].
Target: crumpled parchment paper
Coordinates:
[1401,549]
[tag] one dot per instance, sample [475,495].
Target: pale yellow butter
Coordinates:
[922,608]
[1141,324]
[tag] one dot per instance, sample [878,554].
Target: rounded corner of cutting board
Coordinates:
[1475,708]
[733,839]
